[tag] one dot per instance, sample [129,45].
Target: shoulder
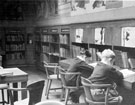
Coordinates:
[104,66]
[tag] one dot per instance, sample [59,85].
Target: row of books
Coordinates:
[45,48]
[64,38]
[50,38]
[64,52]
[45,38]
[15,37]
[75,50]
[15,47]
[121,59]
[93,52]
[15,56]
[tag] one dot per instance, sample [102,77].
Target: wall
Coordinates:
[113,10]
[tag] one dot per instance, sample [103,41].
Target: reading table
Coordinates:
[16,78]
[127,88]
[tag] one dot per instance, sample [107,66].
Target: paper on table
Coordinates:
[127,73]
[5,73]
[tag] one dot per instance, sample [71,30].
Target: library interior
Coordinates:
[67,52]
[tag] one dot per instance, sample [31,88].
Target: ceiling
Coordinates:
[18,9]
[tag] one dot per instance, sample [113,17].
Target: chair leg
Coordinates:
[62,94]
[49,86]
[7,97]
[3,99]
[46,87]
[67,95]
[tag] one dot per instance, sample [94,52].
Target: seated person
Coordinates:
[81,64]
[105,73]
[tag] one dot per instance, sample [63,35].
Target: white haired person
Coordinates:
[105,73]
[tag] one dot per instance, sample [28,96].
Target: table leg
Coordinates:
[15,85]
[24,93]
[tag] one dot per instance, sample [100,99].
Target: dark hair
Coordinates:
[87,53]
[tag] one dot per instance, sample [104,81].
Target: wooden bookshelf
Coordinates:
[15,46]
[112,39]
[52,44]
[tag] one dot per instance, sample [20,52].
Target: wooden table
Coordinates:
[127,89]
[18,79]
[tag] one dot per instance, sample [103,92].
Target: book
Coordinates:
[127,73]
[4,73]
[131,63]
[121,59]
[125,59]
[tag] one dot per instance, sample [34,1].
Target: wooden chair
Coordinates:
[50,102]
[2,88]
[66,87]
[88,86]
[52,73]
[35,93]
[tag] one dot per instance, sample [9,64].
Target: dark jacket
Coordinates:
[105,74]
[79,66]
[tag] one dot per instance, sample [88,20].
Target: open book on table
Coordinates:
[5,73]
[127,73]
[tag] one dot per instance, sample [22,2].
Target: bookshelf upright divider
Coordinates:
[65,44]
[38,47]
[45,44]
[54,44]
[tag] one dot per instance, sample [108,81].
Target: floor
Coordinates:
[35,74]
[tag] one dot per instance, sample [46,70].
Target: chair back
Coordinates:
[88,86]
[51,68]
[65,82]
[35,91]
[50,102]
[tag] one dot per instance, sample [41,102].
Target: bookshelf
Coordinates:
[117,36]
[52,44]
[15,46]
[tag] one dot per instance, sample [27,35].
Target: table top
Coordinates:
[15,71]
[13,75]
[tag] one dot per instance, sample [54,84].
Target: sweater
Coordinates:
[105,74]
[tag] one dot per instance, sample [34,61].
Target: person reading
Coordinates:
[81,64]
[105,73]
